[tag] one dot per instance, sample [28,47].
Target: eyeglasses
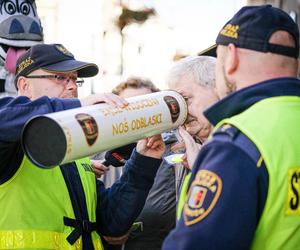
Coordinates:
[61,79]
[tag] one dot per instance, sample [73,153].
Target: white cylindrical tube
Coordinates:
[61,137]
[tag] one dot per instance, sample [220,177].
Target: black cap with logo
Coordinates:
[53,58]
[251,28]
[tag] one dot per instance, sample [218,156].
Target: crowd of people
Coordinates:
[235,187]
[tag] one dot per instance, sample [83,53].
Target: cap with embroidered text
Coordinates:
[252,27]
[53,58]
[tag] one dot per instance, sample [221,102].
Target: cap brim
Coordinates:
[83,69]
[211,51]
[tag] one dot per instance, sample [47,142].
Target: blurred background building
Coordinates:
[138,37]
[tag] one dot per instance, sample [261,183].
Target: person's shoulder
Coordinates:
[228,134]
[10,99]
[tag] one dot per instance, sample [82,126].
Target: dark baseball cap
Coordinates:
[53,58]
[251,28]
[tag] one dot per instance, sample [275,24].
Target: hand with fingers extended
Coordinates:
[152,147]
[192,148]
[109,98]
[98,168]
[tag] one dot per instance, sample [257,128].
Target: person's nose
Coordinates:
[71,85]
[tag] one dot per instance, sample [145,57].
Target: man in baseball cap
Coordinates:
[252,27]
[45,63]
[64,207]
[244,190]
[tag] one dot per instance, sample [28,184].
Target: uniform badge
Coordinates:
[63,50]
[203,196]
[89,127]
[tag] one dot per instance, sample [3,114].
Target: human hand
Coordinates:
[199,128]
[192,148]
[98,168]
[178,147]
[152,147]
[109,98]
[117,240]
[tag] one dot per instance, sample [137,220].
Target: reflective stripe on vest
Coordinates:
[273,125]
[183,195]
[20,239]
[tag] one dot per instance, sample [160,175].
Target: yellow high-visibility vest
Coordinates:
[33,203]
[273,125]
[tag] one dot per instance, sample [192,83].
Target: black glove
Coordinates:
[117,157]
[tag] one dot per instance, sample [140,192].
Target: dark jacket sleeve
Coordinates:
[231,221]
[14,113]
[119,206]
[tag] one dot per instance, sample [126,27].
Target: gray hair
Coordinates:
[202,68]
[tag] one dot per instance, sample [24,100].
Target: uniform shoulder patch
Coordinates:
[203,196]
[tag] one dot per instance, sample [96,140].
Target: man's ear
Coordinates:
[23,86]
[232,60]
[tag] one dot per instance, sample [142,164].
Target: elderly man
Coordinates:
[244,189]
[194,78]
[63,207]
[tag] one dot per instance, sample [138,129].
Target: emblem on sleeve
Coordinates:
[203,196]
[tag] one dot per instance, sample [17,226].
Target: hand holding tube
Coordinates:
[108,98]
[152,147]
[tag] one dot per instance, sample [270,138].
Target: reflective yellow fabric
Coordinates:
[273,125]
[20,239]
[183,195]
[33,203]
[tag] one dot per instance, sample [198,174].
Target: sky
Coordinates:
[197,22]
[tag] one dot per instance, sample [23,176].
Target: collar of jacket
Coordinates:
[241,100]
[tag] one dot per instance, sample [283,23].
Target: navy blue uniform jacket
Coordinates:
[232,220]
